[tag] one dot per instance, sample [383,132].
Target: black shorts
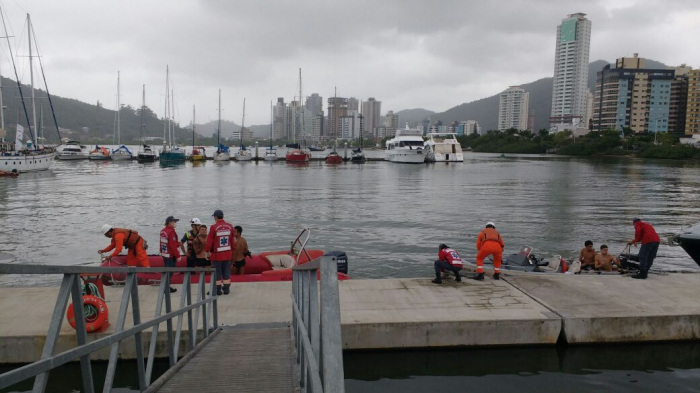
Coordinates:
[202,262]
[239,264]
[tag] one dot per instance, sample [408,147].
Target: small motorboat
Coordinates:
[72,150]
[266,266]
[100,153]
[146,154]
[198,153]
[12,173]
[358,156]
[334,158]
[122,153]
[314,148]
[689,239]
[525,262]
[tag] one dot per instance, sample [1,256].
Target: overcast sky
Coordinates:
[406,53]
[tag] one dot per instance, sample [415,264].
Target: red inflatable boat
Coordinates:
[266,266]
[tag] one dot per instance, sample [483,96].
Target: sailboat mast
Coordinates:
[31,76]
[165,110]
[172,116]
[119,109]
[243,122]
[218,133]
[2,111]
[143,106]
[193,120]
[301,112]
[271,121]
[361,126]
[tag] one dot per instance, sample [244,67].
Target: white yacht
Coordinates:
[443,148]
[406,147]
[72,150]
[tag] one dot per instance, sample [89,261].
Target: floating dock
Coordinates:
[414,313]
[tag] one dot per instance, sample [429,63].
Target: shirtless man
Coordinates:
[587,256]
[604,261]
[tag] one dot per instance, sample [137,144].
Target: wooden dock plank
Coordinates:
[251,359]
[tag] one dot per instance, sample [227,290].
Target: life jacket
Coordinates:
[223,241]
[490,234]
[452,256]
[130,240]
[190,242]
[164,239]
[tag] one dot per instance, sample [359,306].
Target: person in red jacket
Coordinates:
[220,243]
[646,234]
[448,259]
[169,244]
[489,242]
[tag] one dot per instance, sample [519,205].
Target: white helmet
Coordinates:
[490,223]
[195,221]
[106,228]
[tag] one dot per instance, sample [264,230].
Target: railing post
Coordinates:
[331,341]
[81,332]
[138,337]
[302,309]
[314,320]
[178,330]
[192,331]
[154,332]
[121,321]
[54,328]
[169,322]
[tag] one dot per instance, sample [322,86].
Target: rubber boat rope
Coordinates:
[89,310]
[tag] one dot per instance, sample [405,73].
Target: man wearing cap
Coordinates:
[646,234]
[220,243]
[188,239]
[129,239]
[169,244]
[489,242]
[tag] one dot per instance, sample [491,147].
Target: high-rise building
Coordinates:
[631,96]
[350,126]
[570,84]
[679,101]
[314,104]
[513,109]
[353,104]
[391,123]
[371,111]
[468,127]
[317,127]
[279,122]
[337,107]
[692,115]
[531,120]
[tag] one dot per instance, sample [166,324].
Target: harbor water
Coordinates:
[389,218]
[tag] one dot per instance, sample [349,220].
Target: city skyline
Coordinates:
[405,65]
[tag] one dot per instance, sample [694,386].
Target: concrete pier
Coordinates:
[413,313]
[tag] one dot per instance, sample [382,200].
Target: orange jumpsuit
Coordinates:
[134,257]
[489,242]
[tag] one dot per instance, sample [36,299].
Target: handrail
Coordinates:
[71,285]
[316,327]
[302,244]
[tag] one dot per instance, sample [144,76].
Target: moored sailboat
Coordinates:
[146,153]
[299,152]
[100,153]
[271,152]
[170,154]
[243,154]
[358,156]
[222,151]
[122,152]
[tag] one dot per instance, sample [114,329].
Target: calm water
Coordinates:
[390,218]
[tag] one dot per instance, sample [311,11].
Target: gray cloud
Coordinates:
[407,53]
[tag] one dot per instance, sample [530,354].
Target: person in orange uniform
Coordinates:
[220,243]
[489,242]
[169,245]
[129,239]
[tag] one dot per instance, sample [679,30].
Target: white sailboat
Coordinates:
[271,152]
[18,156]
[146,153]
[122,153]
[243,154]
[171,154]
[222,152]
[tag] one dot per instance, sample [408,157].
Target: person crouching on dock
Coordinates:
[448,259]
[489,242]
[129,239]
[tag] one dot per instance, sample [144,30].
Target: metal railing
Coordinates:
[317,326]
[71,285]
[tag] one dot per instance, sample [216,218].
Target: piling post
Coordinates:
[256,151]
[346,151]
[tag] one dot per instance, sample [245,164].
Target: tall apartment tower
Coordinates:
[279,120]
[513,109]
[692,117]
[314,104]
[353,104]
[570,87]
[337,108]
[371,111]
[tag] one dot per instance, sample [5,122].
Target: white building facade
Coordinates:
[513,109]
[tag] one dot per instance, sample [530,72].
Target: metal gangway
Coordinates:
[305,355]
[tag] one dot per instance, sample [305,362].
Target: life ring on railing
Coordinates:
[96,314]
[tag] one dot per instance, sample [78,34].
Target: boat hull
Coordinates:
[405,156]
[298,156]
[244,157]
[70,156]
[100,157]
[169,156]
[222,156]
[146,157]
[121,157]
[448,157]
[28,163]
[334,159]
[258,269]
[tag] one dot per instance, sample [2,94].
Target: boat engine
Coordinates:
[341,259]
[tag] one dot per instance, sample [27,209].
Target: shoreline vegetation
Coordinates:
[606,143]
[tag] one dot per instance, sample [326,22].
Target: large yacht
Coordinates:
[406,147]
[72,150]
[443,148]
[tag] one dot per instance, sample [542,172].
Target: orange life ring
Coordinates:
[95,322]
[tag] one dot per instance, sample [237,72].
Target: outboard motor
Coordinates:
[341,259]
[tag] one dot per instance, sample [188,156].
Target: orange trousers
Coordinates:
[137,256]
[489,248]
